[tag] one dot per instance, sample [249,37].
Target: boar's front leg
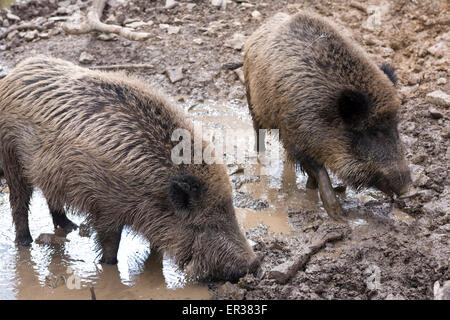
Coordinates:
[109,241]
[318,174]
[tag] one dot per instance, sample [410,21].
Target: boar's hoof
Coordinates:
[61,221]
[24,240]
[69,226]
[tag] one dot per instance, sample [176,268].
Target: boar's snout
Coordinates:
[396,181]
[239,272]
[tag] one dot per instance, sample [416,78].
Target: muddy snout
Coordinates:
[253,268]
[396,182]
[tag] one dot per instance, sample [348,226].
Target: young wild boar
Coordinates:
[333,106]
[100,143]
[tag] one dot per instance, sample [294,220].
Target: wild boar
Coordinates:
[100,143]
[334,107]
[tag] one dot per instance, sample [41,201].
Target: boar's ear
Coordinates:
[182,190]
[353,105]
[390,72]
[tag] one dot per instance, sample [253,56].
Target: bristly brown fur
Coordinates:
[297,69]
[100,143]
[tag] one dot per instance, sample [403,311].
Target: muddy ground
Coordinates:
[387,250]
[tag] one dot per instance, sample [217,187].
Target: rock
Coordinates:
[198,41]
[44,35]
[190,6]
[12,34]
[418,176]
[256,15]
[31,35]
[219,3]
[439,97]
[50,239]
[175,74]
[12,17]
[247,5]
[116,3]
[441,293]
[282,272]
[170,4]
[86,58]
[236,42]
[230,291]
[441,81]
[435,114]
[438,50]
[375,19]
[173,29]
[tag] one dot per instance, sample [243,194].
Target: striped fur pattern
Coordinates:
[100,143]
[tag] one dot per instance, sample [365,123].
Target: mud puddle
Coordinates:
[67,270]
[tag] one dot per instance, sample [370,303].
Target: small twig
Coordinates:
[91,22]
[123,66]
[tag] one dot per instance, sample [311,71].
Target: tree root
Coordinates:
[282,273]
[79,24]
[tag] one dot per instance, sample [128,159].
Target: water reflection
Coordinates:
[66,270]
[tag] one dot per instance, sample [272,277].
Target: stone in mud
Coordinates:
[50,239]
[86,58]
[439,97]
[173,30]
[12,17]
[256,15]
[435,114]
[31,35]
[441,81]
[441,292]
[175,74]
[438,50]
[282,272]
[170,4]
[236,42]
[230,291]
[418,175]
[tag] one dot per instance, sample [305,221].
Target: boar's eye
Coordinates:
[353,105]
[183,189]
[390,72]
